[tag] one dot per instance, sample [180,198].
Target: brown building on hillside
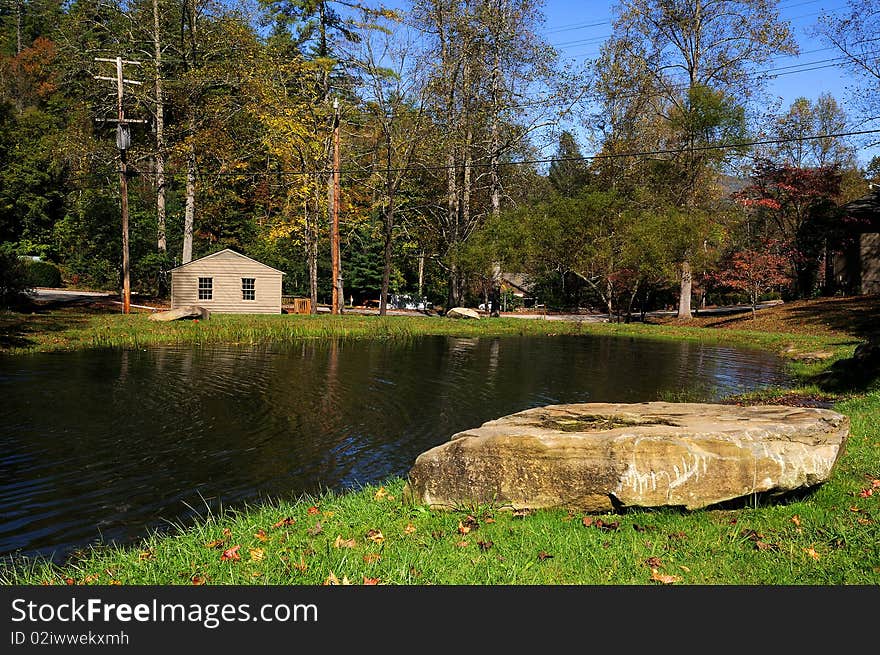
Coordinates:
[856,265]
[227,282]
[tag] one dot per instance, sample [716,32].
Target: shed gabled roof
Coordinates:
[228,250]
[866,206]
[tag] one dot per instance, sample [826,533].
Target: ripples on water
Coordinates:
[106,445]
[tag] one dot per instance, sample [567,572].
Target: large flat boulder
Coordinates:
[463,312]
[603,456]
[182,313]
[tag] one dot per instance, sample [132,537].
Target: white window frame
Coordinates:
[205,288]
[252,289]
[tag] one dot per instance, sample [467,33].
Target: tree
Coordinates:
[805,120]
[568,173]
[756,271]
[854,35]
[797,207]
[685,50]
[393,94]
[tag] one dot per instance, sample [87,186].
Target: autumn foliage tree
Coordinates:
[756,270]
[797,207]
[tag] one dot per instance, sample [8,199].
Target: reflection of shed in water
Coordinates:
[227,282]
[856,265]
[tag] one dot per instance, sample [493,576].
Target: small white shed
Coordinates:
[227,282]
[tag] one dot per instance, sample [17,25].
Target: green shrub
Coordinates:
[42,274]
[13,277]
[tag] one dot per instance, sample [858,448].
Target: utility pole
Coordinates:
[123,141]
[338,298]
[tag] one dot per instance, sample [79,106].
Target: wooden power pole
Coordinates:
[337,299]
[123,142]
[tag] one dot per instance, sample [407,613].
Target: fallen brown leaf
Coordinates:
[654,562]
[227,532]
[344,543]
[257,554]
[333,580]
[587,521]
[231,554]
[371,581]
[375,536]
[301,566]
[656,576]
[542,556]
[796,520]
[147,554]
[217,543]
[410,528]
[287,520]
[812,553]
[198,580]
[318,529]
[470,523]
[311,511]
[485,545]
[372,558]
[462,544]
[865,493]
[684,568]
[380,494]
[261,535]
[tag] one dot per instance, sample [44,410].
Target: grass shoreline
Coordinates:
[368,536]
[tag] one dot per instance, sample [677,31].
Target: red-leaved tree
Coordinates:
[796,206]
[756,271]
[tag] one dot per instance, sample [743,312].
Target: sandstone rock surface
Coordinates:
[603,456]
[186,312]
[462,312]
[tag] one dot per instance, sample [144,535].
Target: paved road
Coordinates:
[72,296]
[65,295]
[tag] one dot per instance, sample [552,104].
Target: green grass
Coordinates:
[71,330]
[829,537]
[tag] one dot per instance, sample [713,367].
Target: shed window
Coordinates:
[248,288]
[206,288]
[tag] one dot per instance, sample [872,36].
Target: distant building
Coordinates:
[856,265]
[227,282]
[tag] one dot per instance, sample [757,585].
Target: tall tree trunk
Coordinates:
[160,136]
[189,212]
[421,273]
[684,297]
[190,208]
[18,4]
[386,267]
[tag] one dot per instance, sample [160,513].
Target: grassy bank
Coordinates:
[73,330]
[369,536]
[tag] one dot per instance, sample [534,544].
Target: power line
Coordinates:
[549,160]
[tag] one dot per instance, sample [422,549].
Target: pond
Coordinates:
[103,446]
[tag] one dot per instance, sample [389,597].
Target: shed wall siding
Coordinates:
[227,269]
[870,257]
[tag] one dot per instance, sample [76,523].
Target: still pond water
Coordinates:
[105,446]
